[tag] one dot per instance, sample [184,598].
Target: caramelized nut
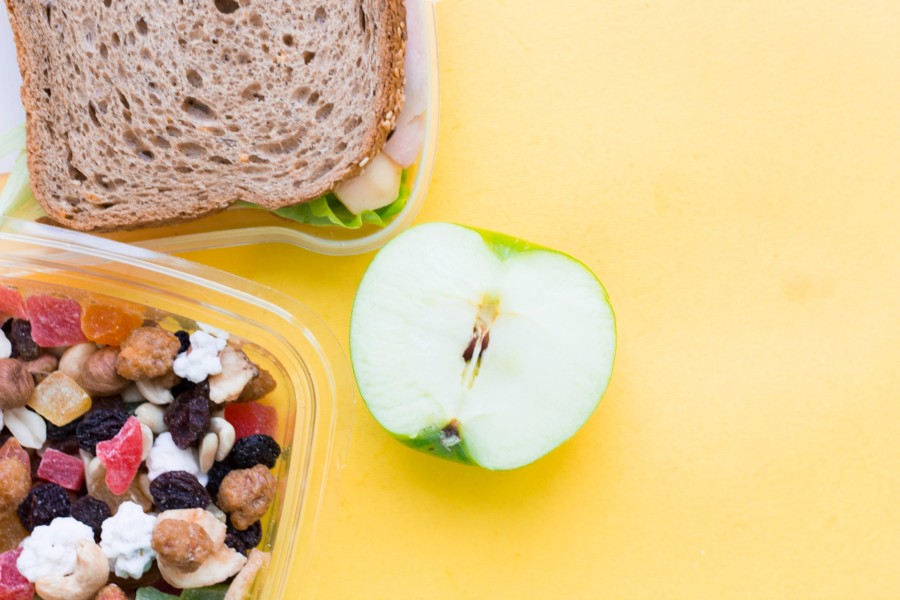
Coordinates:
[146,353]
[258,387]
[15,481]
[182,544]
[111,592]
[246,494]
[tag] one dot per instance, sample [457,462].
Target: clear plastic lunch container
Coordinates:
[314,396]
[237,225]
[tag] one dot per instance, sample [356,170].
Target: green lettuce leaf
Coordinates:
[329,211]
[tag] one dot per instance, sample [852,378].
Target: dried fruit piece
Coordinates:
[63,469]
[251,418]
[11,531]
[54,321]
[243,540]
[98,426]
[43,503]
[146,353]
[23,344]
[92,512]
[215,476]
[256,449]
[13,585]
[188,416]
[121,456]
[11,304]
[95,478]
[59,399]
[109,325]
[183,544]
[246,495]
[174,490]
[15,481]
[16,383]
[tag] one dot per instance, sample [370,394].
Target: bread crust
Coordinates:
[96,212]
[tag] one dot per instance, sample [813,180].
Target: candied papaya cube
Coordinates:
[59,399]
[249,418]
[109,324]
[63,469]
[54,321]
[13,585]
[122,456]
[11,304]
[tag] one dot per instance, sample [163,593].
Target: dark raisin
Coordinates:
[183,386]
[185,338]
[215,476]
[188,416]
[20,337]
[108,403]
[43,503]
[243,541]
[256,449]
[99,426]
[67,445]
[55,433]
[178,489]
[92,512]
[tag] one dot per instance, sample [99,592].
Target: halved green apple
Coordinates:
[479,347]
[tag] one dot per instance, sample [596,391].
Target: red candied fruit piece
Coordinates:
[13,585]
[61,468]
[122,456]
[249,418]
[109,325]
[54,321]
[11,305]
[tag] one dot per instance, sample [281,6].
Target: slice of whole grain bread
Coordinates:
[143,112]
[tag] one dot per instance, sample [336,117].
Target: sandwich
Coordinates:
[142,113]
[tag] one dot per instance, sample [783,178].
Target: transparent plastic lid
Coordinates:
[241,225]
[314,396]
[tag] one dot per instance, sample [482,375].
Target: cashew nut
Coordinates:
[237,371]
[154,391]
[72,361]
[152,416]
[207,453]
[243,581]
[132,394]
[225,432]
[146,441]
[91,574]
[29,428]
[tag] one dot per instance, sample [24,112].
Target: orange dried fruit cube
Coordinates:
[59,399]
[109,324]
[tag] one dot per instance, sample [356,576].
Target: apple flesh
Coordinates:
[478,347]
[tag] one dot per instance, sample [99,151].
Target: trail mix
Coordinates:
[135,462]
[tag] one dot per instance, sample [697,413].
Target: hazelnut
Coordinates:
[16,383]
[182,544]
[99,376]
[72,360]
[42,366]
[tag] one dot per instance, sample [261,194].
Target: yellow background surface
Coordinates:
[731,171]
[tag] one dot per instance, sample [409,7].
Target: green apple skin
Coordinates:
[430,440]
